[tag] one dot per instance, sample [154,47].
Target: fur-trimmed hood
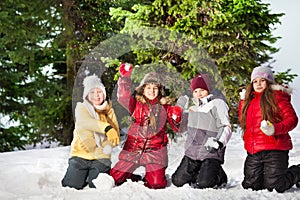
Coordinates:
[284,88]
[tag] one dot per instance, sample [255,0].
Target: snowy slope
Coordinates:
[36,174]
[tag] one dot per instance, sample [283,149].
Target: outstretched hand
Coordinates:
[183,102]
[125,69]
[175,113]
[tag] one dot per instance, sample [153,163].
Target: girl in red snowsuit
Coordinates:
[267,115]
[147,139]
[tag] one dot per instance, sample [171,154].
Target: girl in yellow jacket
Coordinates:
[96,132]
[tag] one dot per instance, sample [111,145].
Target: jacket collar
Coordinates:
[154,101]
[283,88]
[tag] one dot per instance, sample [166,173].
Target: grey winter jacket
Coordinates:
[209,119]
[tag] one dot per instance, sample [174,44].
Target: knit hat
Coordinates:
[262,72]
[201,81]
[92,82]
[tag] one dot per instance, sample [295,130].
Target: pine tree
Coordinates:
[44,44]
[237,36]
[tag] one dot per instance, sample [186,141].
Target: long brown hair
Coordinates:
[268,105]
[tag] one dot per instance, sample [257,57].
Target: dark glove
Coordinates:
[212,144]
[125,69]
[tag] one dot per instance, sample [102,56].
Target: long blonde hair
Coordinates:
[268,105]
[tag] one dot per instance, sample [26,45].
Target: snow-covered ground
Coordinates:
[36,174]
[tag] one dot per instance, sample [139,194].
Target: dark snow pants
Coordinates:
[81,172]
[200,174]
[269,170]
[155,177]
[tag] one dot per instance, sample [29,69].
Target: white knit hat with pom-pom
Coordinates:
[92,82]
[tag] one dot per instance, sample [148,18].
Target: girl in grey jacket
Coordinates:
[208,131]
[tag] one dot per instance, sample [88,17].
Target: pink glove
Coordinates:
[125,69]
[175,113]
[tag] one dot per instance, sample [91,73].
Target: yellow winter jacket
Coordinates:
[84,144]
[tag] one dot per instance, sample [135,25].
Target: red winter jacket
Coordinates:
[144,145]
[254,139]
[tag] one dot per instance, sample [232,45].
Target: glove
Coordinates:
[267,127]
[242,94]
[183,102]
[113,136]
[175,113]
[212,144]
[125,69]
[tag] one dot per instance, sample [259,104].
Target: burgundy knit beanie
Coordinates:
[201,81]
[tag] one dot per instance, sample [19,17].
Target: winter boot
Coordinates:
[222,177]
[221,181]
[298,177]
[136,178]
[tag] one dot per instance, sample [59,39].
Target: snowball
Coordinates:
[107,149]
[104,182]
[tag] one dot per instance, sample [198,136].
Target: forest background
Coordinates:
[48,46]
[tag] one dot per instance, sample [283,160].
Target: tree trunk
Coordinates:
[72,56]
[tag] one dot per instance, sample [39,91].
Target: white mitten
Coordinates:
[267,127]
[242,94]
[212,144]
